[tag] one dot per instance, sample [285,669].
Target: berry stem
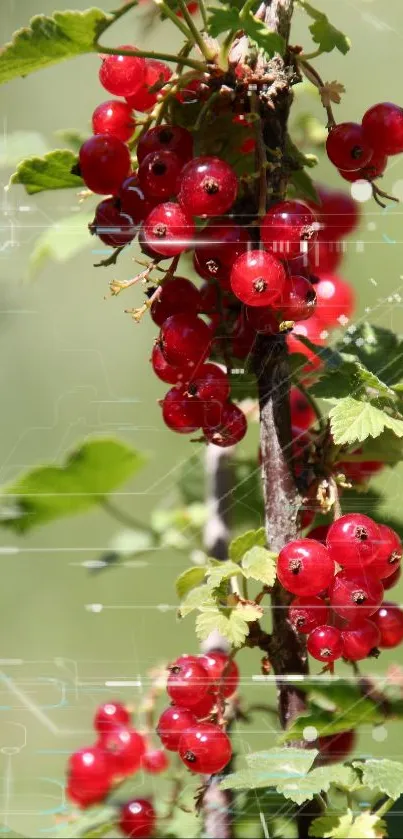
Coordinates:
[203,12]
[110,260]
[180,24]
[197,37]
[116,286]
[313,76]
[385,807]
[337,511]
[161,56]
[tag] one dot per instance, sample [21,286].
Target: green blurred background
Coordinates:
[72,365]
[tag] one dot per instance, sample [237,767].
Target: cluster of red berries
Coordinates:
[119,752]
[198,687]
[362,151]
[339,576]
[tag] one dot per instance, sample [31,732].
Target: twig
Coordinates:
[110,260]
[313,76]
[379,193]
[116,286]
[168,12]
[197,38]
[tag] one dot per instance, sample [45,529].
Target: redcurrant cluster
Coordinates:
[362,151]
[193,725]
[339,575]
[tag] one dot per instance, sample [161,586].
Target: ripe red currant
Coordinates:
[187,682]
[124,748]
[166,138]
[208,187]
[389,620]
[319,533]
[243,335]
[166,372]
[88,776]
[359,638]
[177,295]
[229,429]
[289,227]
[211,268]
[302,413]
[347,146]
[299,299]
[122,75]
[360,471]
[168,230]
[210,384]
[325,643]
[185,339]
[205,748]
[111,226]
[104,163]
[114,117]
[223,241]
[355,597]
[258,279]
[334,748]
[132,200]
[155,761]
[173,722]
[181,413]
[143,100]
[374,169]
[205,706]
[306,613]
[335,299]
[158,174]
[262,319]
[137,818]
[390,582]
[109,715]
[390,553]
[304,567]
[354,541]
[383,127]
[337,211]
[223,672]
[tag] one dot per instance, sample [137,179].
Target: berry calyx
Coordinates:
[355,597]
[335,299]
[158,174]
[205,748]
[104,163]
[155,761]
[111,226]
[168,230]
[337,212]
[173,722]
[229,429]
[110,715]
[382,126]
[177,295]
[88,776]
[210,384]
[114,117]
[306,613]
[389,620]
[155,72]
[258,279]
[124,748]
[325,643]
[187,682]
[360,637]
[299,299]
[208,187]
[304,567]
[347,146]
[185,339]
[389,554]
[137,818]
[288,228]
[180,412]
[354,541]
[223,672]
[166,138]
[122,75]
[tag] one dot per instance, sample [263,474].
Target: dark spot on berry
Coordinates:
[159,168]
[213,266]
[359,596]
[374,653]
[310,296]
[160,230]
[356,152]
[259,285]
[165,136]
[325,652]
[210,185]
[299,621]
[295,566]
[394,557]
[361,533]
[190,757]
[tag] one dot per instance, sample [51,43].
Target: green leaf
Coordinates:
[378,348]
[303,184]
[48,40]
[343,374]
[260,564]
[323,32]
[238,547]
[197,598]
[223,19]
[352,421]
[270,768]
[234,626]
[316,781]
[16,145]
[329,722]
[92,470]
[53,171]
[385,775]
[221,572]
[94,822]
[189,579]
[60,242]
[226,19]
[347,826]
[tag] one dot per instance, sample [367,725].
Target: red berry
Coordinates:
[181,412]
[335,299]
[289,227]
[325,643]
[111,226]
[109,715]
[122,75]
[325,255]
[299,299]
[304,567]
[222,240]
[205,706]
[243,336]
[104,163]
[155,761]
[210,384]
[124,748]
[133,202]
[168,230]
[166,138]
[374,169]
[155,71]
[335,747]
[177,295]
[390,582]
[359,638]
[258,279]
[88,778]
[113,117]
[137,818]
[205,748]
[222,671]
[193,91]
[389,620]
[208,187]
[383,127]
[389,555]
[361,471]
[230,429]
[173,722]
[262,319]
[166,372]
[306,613]
[210,299]
[337,211]
[347,146]
[353,541]
[355,597]
[187,681]
[295,346]
[158,174]
[312,329]
[302,413]
[319,533]
[185,339]
[211,268]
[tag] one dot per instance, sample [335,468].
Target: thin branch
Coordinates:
[168,12]
[110,260]
[123,518]
[313,76]
[161,56]
[195,34]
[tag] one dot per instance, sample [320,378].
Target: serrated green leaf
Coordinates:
[323,32]
[383,774]
[239,546]
[16,145]
[333,722]
[49,40]
[190,579]
[61,241]
[303,184]
[249,612]
[234,626]
[94,822]
[352,421]
[378,348]
[198,598]
[316,781]
[227,18]
[270,768]
[221,572]
[223,19]
[90,472]
[260,564]
[53,171]
[344,375]
[347,826]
